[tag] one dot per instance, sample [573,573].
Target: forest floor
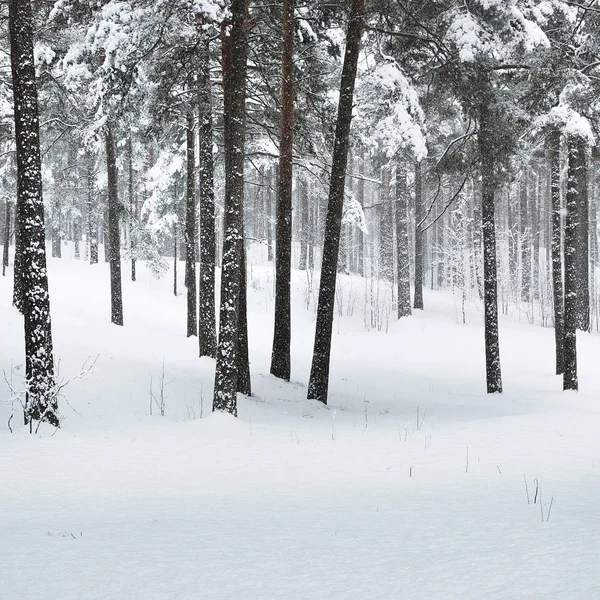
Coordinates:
[412,483]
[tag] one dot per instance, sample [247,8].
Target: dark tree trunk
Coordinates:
[418,297]
[269,216]
[207,329]
[583,243]
[571,225]
[41,401]
[557,278]
[490,285]
[304,223]
[190,229]
[56,230]
[280,355]
[114,238]
[403,262]
[319,375]
[6,239]
[92,211]
[175,242]
[525,239]
[234,48]
[132,207]
[243,358]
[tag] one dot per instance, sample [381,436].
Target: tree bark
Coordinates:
[114,238]
[234,44]
[583,242]
[525,239]
[403,263]
[280,355]
[418,297]
[190,228]
[132,207]
[304,223]
[41,400]
[571,280]
[319,374]
[553,150]
[490,285]
[207,329]
[6,239]
[92,211]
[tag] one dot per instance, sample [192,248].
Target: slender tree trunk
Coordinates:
[403,262]
[243,358]
[571,225]
[269,218]
[234,89]
[360,195]
[175,243]
[56,229]
[525,240]
[490,285]
[280,355]
[18,284]
[386,237]
[304,220]
[114,238]
[190,229]
[418,298]
[132,207]
[207,329]
[557,278]
[41,401]
[583,243]
[92,211]
[319,375]
[6,239]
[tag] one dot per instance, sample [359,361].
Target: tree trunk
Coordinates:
[132,207]
[243,358]
[56,230]
[190,228]
[234,48]
[571,280]
[280,355]
[490,285]
[40,400]
[418,298]
[92,212]
[304,222]
[403,263]
[583,242]
[207,329]
[114,238]
[319,374]
[525,239]
[360,196]
[557,278]
[175,242]
[6,239]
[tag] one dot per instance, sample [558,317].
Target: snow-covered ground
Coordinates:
[410,485]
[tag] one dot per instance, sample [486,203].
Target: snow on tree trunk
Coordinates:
[207,329]
[114,238]
[304,223]
[319,374]
[571,280]
[418,298]
[6,240]
[490,283]
[190,227]
[553,150]
[583,242]
[40,403]
[280,355]
[403,262]
[234,43]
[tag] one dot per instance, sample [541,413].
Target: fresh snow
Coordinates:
[358,500]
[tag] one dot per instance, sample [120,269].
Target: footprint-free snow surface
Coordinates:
[412,483]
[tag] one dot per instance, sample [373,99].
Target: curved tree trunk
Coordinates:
[319,374]
[280,356]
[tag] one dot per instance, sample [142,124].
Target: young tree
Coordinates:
[190,227]
[403,265]
[319,375]
[41,403]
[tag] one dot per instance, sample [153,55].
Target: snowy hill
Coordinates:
[413,483]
